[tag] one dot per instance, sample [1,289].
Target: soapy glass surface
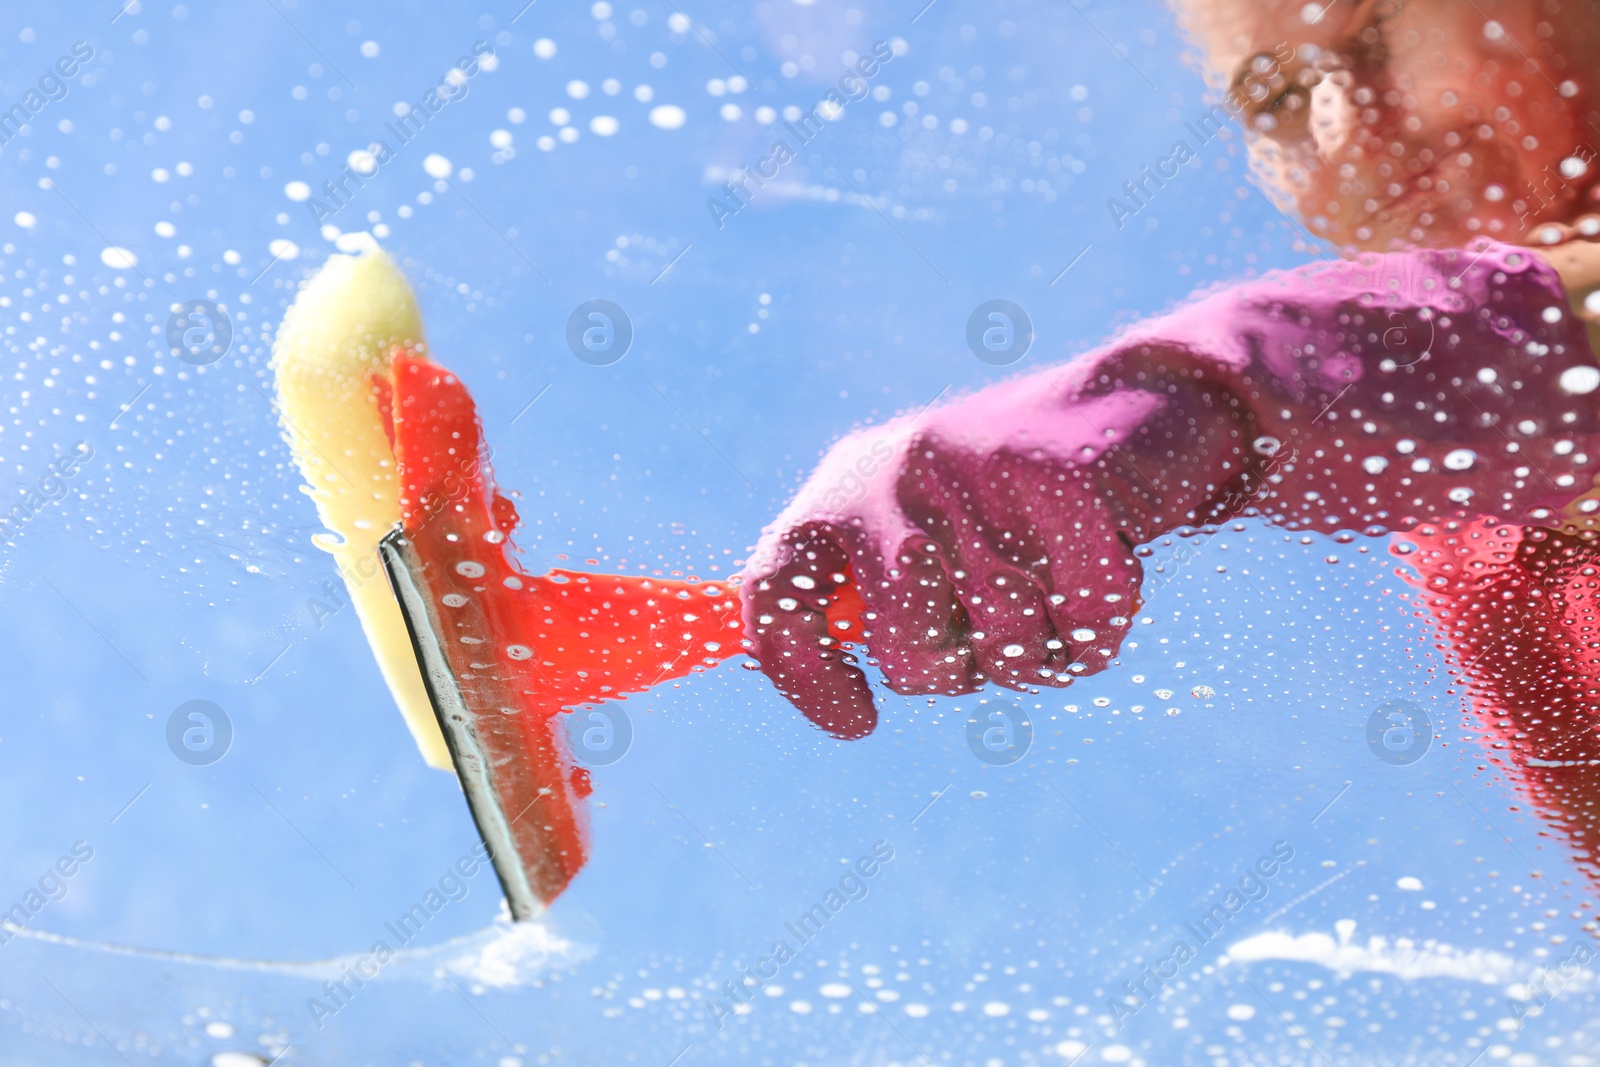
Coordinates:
[177,565]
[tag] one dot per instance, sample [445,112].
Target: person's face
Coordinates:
[1417,122]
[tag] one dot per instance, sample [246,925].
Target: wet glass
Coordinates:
[675,253]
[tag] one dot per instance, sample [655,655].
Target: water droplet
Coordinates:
[1580,380]
[236,1059]
[667,117]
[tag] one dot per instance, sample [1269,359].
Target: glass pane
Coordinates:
[1260,801]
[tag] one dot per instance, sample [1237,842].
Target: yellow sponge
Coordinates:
[339,333]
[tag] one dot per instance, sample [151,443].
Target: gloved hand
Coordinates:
[976,553]
[993,539]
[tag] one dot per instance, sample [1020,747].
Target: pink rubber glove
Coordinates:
[993,538]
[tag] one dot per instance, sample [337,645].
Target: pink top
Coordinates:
[992,538]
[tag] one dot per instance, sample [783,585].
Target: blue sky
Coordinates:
[176,565]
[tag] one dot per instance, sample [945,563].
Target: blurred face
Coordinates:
[1416,122]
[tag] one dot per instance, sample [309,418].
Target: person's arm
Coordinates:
[1574,251]
[993,538]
